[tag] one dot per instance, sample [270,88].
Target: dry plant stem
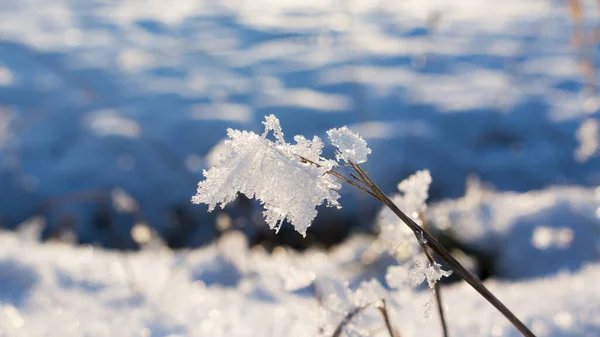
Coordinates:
[382,308]
[438,299]
[443,254]
[346,320]
[437,289]
[388,324]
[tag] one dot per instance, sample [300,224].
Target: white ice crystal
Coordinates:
[351,147]
[433,273]
[273,173]
[393,232]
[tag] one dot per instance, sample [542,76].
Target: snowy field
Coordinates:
[227,289]
[110,110]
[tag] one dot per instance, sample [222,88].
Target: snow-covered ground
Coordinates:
[227,289]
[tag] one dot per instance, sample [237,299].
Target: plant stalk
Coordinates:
[426,239]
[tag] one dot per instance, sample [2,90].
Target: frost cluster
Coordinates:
[351,147]
[393,232]
[290,180]
[398,276]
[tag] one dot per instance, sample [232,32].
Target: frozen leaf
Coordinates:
[351,147]
[273,173]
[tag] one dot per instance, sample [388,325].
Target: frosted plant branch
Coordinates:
[291,180]
[443,254]
[437,288]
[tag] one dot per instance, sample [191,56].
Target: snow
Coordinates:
[529,234]
[227,289]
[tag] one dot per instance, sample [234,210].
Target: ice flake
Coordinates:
[433,273]
[273,173]
[351,147]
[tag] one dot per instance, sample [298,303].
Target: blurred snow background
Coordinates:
[109,111]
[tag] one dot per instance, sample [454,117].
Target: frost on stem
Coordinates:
[415,190]
[396,276]
[351,147]
[273,173]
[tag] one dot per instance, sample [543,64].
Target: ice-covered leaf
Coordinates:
[273,173]
[351,147]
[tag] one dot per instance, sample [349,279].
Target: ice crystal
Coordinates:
[433,273]
[351,147]
[274,173]
[393,232]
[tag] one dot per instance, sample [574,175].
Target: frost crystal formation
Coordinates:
[351,147]
[393,232]
[274,173]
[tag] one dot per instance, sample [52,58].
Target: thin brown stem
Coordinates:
[444,255]
[346,320]
[437,288]
[438,299]
[388,324]
[342,177]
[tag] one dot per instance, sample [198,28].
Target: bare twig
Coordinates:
[388,324]
[426,239]
[346,320]
[437,289]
